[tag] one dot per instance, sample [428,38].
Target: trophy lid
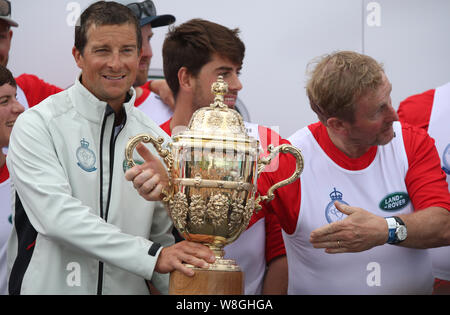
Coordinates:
[218,119]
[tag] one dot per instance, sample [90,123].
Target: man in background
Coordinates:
[430,111]
[152,97]
[10,109]
[30,89]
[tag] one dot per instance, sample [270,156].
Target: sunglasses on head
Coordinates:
[5,8]
[142,9]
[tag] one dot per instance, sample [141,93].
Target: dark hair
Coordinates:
[104,13]
[6,77]
[192,45]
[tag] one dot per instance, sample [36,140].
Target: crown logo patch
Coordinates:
[86,157]
[331,213]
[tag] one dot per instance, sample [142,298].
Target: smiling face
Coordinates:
[208,75]
[109,62]
[10,109]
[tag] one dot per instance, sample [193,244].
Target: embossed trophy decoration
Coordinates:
[213,169]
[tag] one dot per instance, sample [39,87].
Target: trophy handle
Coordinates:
[166,155]
[263,162]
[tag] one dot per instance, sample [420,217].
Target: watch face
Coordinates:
[401,233]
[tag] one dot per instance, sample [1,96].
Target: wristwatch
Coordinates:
[397,230]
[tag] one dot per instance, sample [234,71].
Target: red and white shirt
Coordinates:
[383,181]
[5,223]
[31,90]
[151,104]
[262,241]
[430,111]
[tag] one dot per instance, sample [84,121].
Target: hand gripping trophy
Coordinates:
[213,169]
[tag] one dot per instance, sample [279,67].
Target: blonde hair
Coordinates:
[338,80]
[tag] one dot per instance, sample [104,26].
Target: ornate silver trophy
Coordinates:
[213,169]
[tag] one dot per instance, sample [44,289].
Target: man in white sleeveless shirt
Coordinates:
[430,111]
[372,193]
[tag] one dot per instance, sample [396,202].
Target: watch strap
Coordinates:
[392,228]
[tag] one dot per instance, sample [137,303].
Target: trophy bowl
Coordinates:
[213,169]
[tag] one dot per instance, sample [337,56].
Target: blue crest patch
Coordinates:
[446,160]
[86,157]
[331,213]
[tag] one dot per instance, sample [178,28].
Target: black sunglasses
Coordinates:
[5,8]
[142,9]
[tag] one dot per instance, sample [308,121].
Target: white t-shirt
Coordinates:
[154,108]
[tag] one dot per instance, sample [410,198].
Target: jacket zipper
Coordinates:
[104,212]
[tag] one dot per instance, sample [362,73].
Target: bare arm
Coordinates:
[427,228]
[362,230]
[276,278]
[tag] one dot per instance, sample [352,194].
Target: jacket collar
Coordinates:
[89,106]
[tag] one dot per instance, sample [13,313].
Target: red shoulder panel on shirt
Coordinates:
[425,179]
[141,99]
[35,89]
[4,173]
[166,127]
[274,238]
[416,109]
[286,204]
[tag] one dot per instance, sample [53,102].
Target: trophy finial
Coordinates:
[219,89]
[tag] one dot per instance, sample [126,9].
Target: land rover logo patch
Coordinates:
[394,201]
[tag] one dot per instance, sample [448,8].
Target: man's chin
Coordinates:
[230,104]
[387,138]
[141,78]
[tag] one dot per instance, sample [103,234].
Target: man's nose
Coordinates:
[393,113]
[234,84]
[115,61]
[147,51]
[17,107]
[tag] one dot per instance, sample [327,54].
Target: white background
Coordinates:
[411,38]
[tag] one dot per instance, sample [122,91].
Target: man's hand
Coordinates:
[161,88]
[358,232]
[172,258]
[150,178]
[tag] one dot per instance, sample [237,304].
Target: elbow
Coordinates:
[446,236]
[445,232]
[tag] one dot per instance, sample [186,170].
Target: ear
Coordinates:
[337,125]
[185,79]
[78,57]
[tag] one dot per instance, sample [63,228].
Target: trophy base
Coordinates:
[207,282]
